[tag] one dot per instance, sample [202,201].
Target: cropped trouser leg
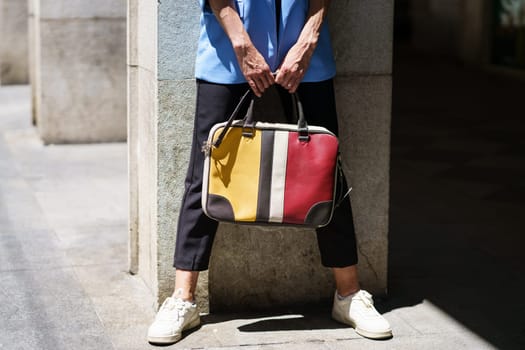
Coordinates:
[337,242]
[196,232]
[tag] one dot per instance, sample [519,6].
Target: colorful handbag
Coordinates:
[270,173]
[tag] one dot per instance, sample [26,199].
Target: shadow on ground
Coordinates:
[458,195]
[295,318]
[457,214]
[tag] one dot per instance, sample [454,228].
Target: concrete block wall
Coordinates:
[80,70]
[252,266]
[13,42]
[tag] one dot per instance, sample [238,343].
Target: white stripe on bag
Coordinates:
[280,155]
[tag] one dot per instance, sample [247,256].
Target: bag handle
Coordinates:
[249,120]
[230,120]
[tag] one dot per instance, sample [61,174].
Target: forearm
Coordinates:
[231,23]
[312,28]
[251,62]
[297,60]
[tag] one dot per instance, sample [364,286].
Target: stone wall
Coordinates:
[81,70]
[13,42]
[362,34]
[252,266]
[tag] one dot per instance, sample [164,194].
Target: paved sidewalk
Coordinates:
[456,241]
[63,242]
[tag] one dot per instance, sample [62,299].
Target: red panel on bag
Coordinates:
[309,174]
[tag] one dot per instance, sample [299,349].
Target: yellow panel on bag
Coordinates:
[234,172]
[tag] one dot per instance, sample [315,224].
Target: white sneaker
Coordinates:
[359,312]
[174,316]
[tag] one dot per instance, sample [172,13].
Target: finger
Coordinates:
[266,76]
[288,83]
[291,84]
[295,81]
[292,79]
[287,80]
[260,85]
[293,88]
[268,80]
[281,79]
[281,76]
[262,80]
[254,88]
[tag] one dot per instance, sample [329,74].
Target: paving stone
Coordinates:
[428,319]
[50,311]
[35,251]
[6,169]
[42,301]
[284,329]
[48,338]
[18,208]
[78,172]
[94,245]
[433,342]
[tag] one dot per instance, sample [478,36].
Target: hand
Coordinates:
[255,69]
[294,67]
[252,63]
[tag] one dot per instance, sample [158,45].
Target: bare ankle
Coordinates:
[185,295]
[347,293]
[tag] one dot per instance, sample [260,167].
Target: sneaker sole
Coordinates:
[362,332]
[176,337]
[370,335]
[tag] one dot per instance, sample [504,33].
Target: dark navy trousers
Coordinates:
[196,232]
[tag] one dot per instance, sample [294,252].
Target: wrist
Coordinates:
[242,45]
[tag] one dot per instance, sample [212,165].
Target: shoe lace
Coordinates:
[172,307]
[366,298]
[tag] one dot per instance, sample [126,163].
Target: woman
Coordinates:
[256,44]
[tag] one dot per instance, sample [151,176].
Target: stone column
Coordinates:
[362,34]
[81,71]
[142,138]
[252,267]
[34,54]
[162,43]
[13,42]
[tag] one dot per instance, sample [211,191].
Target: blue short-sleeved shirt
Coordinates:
[216,61]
